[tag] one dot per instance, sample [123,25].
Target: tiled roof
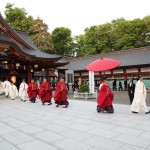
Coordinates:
[21,41]
[134,57]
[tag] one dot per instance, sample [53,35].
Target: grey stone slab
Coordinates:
[67,118]
[8,119]
[83,121]
[17,137]
[102,125]
[2,124]
[2,116]
[62,122]
[6,130]
[133,140]
[103,119]
[1,139]
[145,121]
[36,145]
[48,136]
[103,133]
[102,143]
[69,144]
[93,148]
[39,123]
[130,147]
[31,129]
[77,135]
[4,145]
[125,130]
[145,135]
[56,128]
[124,124]
[143,127]
[80,127]
[17,123]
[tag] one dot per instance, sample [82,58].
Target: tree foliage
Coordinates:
[63,42]
[17,17]
[40,36]
[38,30]
[120,34]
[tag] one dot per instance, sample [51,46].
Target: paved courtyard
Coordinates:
[28,126]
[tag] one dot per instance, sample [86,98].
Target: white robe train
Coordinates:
[23,91]
[139,101]
[13,92]
[1,87]
[7,85]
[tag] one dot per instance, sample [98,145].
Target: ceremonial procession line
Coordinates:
[33,126]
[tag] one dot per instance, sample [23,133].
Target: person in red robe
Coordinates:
[60,96]
[105,98]
[32,91]
[45,92]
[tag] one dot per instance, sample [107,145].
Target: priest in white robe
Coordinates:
[23,91]
[13,91]
[1,87]
[7,85]
[139,101]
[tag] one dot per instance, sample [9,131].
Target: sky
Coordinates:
[80,14]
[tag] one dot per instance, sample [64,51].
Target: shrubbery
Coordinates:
[84,88]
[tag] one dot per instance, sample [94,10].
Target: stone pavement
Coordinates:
[28,126]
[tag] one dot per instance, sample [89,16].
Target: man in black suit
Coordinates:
[131,88]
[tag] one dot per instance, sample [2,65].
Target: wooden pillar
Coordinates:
[139,71]
[125,79]
[29,76]
[47,74]
[124,74]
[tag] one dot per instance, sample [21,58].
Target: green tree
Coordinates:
[40,36]
[63,42]
[118,35]
[17,17]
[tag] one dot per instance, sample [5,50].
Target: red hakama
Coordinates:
[32,91]
[60,96]
[45,93]
[105,99]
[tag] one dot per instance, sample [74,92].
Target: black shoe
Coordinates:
[65,106]
[134,112]
[50,103]
[43,103]
[24,100]
[147,112]
[98,109]
[57,105]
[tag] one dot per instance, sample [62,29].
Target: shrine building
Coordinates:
[21,59]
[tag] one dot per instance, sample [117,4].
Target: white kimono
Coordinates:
[13,92]
[1,87]
[23,91]
[7,85]
[139,101]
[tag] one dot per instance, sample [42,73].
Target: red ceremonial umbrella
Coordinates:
[103,64]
